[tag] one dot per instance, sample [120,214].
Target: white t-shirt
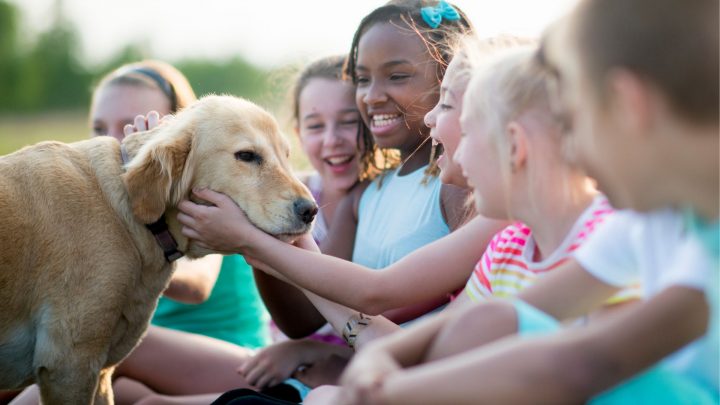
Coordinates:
[656,247]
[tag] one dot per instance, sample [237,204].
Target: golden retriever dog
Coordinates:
[81,273]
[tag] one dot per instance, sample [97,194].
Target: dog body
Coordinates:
[80,273]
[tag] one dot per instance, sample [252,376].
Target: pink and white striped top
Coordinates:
[507,266]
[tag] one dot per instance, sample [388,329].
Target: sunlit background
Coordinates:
[52,51]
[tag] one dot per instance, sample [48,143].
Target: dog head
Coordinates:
[229,145]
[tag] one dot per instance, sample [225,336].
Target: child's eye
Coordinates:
[399,76]
[445,107]
[352,122]
[361,80]
[315,127]
[99,131]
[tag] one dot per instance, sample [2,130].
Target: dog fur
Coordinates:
[80,274]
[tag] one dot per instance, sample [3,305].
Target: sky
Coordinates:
[269,33]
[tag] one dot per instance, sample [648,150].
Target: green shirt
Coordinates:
[234,311]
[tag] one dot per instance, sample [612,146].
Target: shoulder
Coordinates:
[355,194]
[516,233]
[456,205]
[350,203]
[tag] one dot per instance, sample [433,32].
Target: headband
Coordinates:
[164,85]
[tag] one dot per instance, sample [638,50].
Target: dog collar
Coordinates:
[158,228]
[165,239]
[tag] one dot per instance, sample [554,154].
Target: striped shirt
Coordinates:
[507,266]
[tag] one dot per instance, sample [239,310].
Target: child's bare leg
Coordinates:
[326,394]
[473,326]
[178,363]
[203,399]
[129,392]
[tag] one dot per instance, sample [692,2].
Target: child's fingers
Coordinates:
[250,364]
[265,380]
[140,123]
[190,233]
[153,119]
[128,129]
[213,197]
[253,375]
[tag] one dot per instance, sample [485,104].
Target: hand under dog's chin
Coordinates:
[289,237]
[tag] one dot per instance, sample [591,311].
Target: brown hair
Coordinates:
[153,74]
[440,43]
[330,67]
[671,43]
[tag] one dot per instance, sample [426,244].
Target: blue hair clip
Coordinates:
[433,16]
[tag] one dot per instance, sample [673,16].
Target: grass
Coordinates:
[70,126]
[21,130]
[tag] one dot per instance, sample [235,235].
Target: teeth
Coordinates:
[435,142]
[337,160]
[381,120]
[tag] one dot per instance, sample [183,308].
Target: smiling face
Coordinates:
[328,127]
[478,156]
[396,85]
[116,105]
[444,122]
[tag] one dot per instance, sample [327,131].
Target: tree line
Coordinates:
[47,74]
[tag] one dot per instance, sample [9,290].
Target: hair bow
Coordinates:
[433,16]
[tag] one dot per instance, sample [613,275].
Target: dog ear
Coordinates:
[154,175]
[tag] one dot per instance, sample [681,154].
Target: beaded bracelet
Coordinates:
[354,325]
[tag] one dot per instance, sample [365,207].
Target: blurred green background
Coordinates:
[45,89]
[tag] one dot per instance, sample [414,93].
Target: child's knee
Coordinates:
[491,318]
[155,399]
[324,394]
[472,327]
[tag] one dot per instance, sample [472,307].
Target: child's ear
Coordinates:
[517,140]
[631,99]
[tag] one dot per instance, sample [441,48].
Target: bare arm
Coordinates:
[193,280]
[428,272]
[340,241]
[568,292]
[425,274]
[291,310]
[568,367]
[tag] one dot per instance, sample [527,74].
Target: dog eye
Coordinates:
[248,156]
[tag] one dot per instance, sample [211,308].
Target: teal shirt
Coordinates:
[234,311]
[708,234]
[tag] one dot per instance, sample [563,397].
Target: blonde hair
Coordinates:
[472,52]
[507,86]
[152,74]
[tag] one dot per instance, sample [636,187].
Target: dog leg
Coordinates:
[104,393]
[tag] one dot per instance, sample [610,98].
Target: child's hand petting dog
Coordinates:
[221,226]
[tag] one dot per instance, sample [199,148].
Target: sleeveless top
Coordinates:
[234,311]
[397,218]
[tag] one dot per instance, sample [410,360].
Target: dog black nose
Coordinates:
[305,209]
